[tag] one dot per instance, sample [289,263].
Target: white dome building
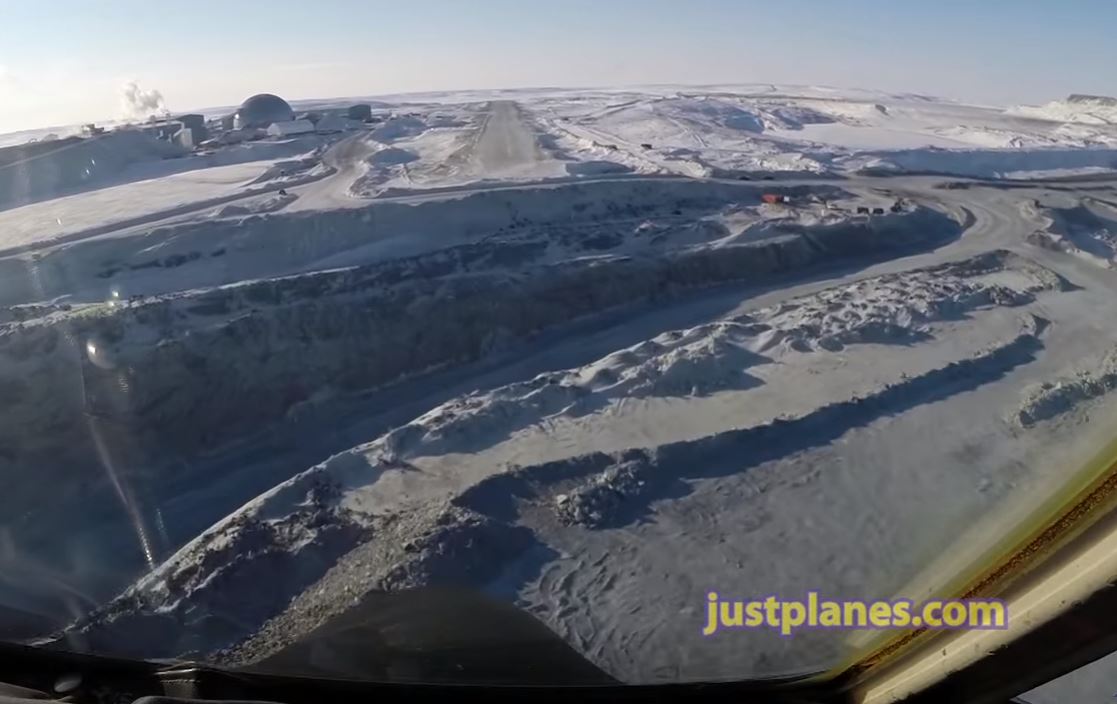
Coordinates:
[261,111]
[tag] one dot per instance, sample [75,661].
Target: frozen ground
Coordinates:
[552,346]
[1085,227]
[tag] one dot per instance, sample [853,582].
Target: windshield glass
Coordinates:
[330,342]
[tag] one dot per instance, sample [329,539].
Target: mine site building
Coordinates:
[336,123]
[361,111]
[262,110]
[291,127]
[192,120]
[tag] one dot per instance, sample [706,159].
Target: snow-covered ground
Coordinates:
[711,133]
[550,345]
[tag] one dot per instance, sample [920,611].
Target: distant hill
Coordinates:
[1092,99]
[1078,107]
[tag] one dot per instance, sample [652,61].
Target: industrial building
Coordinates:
[193,131]
[335,123]
[260,115]
[187,131]
[361,111]
[262,110]
[192,120]
[189,137]
[162,129]
[289,128]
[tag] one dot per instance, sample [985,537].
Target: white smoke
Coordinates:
[140,104]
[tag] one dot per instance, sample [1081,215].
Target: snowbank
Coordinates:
[41,170]
[384,512]
[1052,399]
[1085,109]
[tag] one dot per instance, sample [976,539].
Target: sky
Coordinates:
[66,61]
